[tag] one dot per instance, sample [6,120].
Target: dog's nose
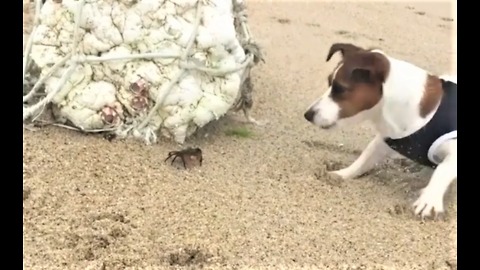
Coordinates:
[309,115]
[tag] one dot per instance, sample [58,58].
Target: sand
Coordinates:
[258,202]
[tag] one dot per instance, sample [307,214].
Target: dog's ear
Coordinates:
[363,75]
[368,67]
[344,48]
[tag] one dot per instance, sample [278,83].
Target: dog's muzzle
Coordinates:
[309,115]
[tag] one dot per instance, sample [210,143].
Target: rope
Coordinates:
[28,47]
[163,93]
[73,59]
[40,82]
[28,112]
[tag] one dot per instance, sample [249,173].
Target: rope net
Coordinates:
[138,67]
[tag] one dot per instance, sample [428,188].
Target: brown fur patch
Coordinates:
[357,85]
[360,98]
[344,48]
[431,96]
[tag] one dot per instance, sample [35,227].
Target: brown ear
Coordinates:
[381,66]
[361,75]
[368,67]
[344,48]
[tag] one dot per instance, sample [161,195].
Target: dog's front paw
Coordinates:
[429,204]
[333,179]
[342,174]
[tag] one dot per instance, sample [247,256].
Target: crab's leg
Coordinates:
[169,156]
[183,160]
[173,160]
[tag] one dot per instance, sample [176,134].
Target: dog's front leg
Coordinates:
[431,199]
[375,152]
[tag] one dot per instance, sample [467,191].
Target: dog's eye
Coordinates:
[337,88]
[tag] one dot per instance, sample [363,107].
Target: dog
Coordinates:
[413,111]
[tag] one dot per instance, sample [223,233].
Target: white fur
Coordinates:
[431,198]
[326,109]
[397,115]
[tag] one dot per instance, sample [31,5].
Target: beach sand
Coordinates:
[261,201]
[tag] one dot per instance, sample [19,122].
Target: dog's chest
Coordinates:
[420,145]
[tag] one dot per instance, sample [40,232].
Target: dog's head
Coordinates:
[354,86]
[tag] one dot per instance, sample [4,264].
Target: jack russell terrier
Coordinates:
[413,112]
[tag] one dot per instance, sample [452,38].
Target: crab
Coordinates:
[188,156]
